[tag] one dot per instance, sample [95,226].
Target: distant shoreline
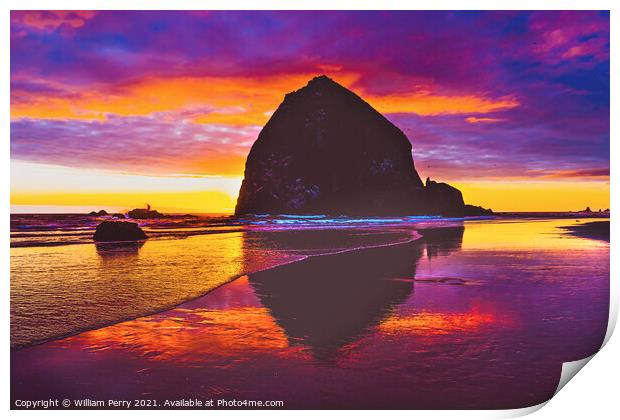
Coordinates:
[554,214]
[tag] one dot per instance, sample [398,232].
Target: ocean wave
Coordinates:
[63,229]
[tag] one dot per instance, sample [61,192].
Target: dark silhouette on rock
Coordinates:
[145,214]
[98,213]
[326,151]
[119,231]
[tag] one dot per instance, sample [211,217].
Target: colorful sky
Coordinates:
[117,108]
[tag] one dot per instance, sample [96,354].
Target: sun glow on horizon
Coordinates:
[52,189]
[536,196]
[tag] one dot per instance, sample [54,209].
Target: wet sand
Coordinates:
[480,316]
[63,290]
[591,230]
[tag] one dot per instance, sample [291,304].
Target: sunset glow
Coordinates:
[116,108]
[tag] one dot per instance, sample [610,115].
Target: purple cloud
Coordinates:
[555,63]
[145,145]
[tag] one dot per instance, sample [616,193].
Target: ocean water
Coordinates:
[63,283]
[29,230]
[400,314]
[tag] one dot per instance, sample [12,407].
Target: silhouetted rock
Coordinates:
[98,213]
[477,211]
[118,215]
[443,199]
[145,214]
[327,151]
[119,231]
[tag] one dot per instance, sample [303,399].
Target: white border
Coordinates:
[593,394]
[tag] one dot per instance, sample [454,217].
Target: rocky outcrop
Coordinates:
[145,214]
[98,213]
[476,211]
[443,199]
[326,151]
[119,231]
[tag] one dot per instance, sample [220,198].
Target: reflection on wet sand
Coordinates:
[87,286]
[116,249]
[442,242]
[432,323]
[185,336]
[298,304]
[329,301]
[426,324]
[326,304]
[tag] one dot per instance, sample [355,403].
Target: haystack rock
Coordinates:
[326,151]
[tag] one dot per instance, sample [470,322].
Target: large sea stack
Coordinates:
[326,151]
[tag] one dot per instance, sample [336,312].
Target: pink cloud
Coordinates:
[52,19]
[569,35]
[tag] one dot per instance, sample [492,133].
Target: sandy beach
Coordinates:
[490,302]
[307,209]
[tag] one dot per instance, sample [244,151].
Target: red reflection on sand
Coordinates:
[238,327]
[188,335]
[439,323]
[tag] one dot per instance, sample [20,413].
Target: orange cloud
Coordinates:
[476,120]
[229,100]
[426,103]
